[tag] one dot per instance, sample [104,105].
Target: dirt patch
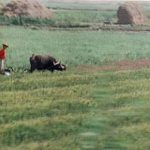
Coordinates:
[30,8]
[121,65]
[129,64]
[92,68]
[131,13]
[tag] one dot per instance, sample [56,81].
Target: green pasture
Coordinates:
[83,5]
[75,110]
[67,14]
[74,47]
[84,16]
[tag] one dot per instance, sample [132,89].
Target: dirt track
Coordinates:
[122,65]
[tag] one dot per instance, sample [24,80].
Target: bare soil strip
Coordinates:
[121,65]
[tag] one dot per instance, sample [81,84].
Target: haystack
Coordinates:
[30,8]
[1,6]
[131,13]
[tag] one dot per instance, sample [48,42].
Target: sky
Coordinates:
[110,0]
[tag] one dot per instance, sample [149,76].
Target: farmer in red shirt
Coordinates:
[2,57]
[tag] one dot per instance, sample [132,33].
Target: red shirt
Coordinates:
[2,53]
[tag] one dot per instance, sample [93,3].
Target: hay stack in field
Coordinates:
[1,7]
[30,8]
[131,13]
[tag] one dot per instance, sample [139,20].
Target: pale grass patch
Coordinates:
[42,121]
[133,94]
[140,127]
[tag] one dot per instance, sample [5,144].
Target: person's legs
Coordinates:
[2,65]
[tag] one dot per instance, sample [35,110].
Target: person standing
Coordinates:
[2,57]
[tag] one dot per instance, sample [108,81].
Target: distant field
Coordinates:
[76,14]
[84,16]
[84,6]
[104,11]
[71,13]
[74,47]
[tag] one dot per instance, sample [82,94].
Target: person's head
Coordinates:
[5,45]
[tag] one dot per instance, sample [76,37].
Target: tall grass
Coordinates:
[75,110]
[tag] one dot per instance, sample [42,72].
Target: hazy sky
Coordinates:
[106,0]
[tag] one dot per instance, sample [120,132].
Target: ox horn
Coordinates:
[63,67]
[56,63]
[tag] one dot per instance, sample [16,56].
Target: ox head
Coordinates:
[59,66]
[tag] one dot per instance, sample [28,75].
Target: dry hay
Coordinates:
[131,13]
[30,8]
[1,6]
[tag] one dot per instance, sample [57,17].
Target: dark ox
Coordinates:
[45,62]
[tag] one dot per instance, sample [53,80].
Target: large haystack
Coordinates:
[131,13]
[30,8]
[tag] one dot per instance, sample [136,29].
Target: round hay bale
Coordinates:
[131,13]
[29,8]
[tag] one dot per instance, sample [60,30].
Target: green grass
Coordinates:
[70,13]
[42,116]
[75,110]
[74,47]
[83,6]
[84,16]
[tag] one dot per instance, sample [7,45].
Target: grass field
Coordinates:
[93,105]
[83,6]
[84,16]
[74,47]
[75,110]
